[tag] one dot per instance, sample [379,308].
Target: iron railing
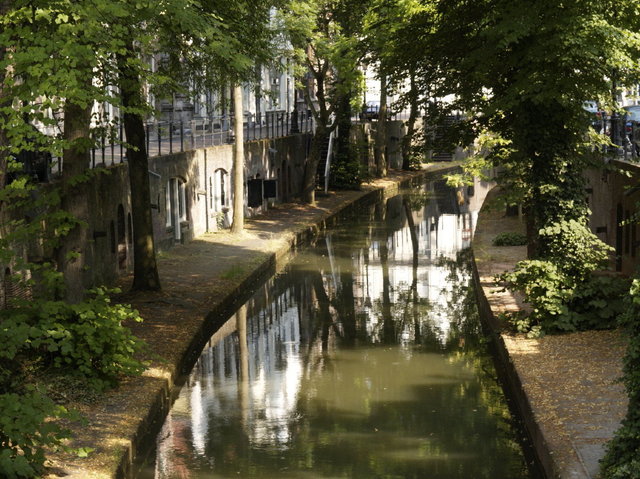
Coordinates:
[623,136]
[168,137]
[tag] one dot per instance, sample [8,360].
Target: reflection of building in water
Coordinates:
[390,269]
[444,226]
[275,370]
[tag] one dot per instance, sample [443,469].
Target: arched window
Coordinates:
[176,204]
[122,234]
[221,194]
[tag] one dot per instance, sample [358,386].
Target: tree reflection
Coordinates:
[386,376]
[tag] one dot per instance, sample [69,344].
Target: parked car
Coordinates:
[370,110]
[632,112]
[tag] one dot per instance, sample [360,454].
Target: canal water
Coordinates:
[363,359]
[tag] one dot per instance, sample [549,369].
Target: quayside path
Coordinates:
[564,383]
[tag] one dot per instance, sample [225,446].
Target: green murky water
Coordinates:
[364,359]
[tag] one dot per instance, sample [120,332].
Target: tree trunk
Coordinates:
[343,118]
[407,140]
[381,132]
[145,270]
[238,162]
[310,172]
[72,254]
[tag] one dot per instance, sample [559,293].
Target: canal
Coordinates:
[363,359]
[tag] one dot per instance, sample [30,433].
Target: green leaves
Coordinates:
[622,452]
[86,340]
[510,239]
[26,430]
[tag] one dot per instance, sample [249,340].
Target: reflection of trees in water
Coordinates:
[447,419]
[461,302]
[470,346]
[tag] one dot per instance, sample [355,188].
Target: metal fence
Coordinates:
[168,137]
[623,136]
[373,114]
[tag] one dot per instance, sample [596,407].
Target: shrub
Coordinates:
[573,248]
[26,429]
[510,238]
[598,303]
[85,340]
[561,287]
[560,303]
[545,287]
[622,458]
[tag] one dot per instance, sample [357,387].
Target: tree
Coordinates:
[45,78]
[323,49]
[494,62]
[205,45]
[61,56]
[238,162]
[145,269]
[392,43]
[252,34]
[501,67]
[522,71]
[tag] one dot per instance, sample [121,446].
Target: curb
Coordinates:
[509,377]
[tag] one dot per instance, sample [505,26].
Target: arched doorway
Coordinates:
[112,236]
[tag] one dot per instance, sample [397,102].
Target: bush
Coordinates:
[561,287]
[622,458]
[85,340]
[573,248]
[545,287]
[26,429]
[560,303]
[598,303]
[510,238]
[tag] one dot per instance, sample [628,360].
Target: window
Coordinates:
[211,198]
[182,200]
[220,197]
[167,202]
[175,204]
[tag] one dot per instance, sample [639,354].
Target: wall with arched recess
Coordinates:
[110,251]
[613,195]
